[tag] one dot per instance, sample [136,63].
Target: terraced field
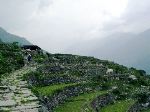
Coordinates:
[119,106]
[69,83]
[80,103]
[49,90]
[146,110]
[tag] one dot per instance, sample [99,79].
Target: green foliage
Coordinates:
[89,72]
[105,86]
[49,90]
[142,97]
[79,103]
[39,58]
[147,110]
[10,58]
[119,106]
[123,91]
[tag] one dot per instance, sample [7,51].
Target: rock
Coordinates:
[4,109]
[3,87]
[31,99]
[15,96]
[4,91]
[7,103]
[24,107]
[8,96]
[13,88]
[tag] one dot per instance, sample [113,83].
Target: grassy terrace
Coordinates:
[148,110]
[49,90]
[80,103]
[120,106]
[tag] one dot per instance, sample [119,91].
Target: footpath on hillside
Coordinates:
[15,96]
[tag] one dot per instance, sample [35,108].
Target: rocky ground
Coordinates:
[15,96]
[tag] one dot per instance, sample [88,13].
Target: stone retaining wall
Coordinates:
[51,80]
[102,101]
[59,97]
[137,107]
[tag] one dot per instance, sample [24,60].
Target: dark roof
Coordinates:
[31,47]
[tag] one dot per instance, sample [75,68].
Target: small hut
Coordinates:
[31,49]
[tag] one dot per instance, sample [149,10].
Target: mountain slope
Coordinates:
[124,48]
[142,47]
[128,50]
[66,82]
[136,51]
[10,38]
[72,83]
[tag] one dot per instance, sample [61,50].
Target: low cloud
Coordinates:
[57,25]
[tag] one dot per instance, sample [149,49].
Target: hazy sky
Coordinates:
[56,25]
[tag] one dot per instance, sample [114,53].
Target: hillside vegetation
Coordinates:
[66,82]
[11,58]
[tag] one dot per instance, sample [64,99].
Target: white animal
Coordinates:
[101,65]
[109,71]
[133,77]
[28,50]
[145,105]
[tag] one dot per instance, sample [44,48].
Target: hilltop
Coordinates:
[10,38]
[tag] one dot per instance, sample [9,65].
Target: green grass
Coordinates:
[148,110]
[49,90]
[80,103]
[119,106]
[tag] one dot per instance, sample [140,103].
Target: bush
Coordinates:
[10,58]
[142,97]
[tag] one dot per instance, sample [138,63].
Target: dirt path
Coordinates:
[15,96]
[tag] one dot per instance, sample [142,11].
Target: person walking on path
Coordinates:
[29,58]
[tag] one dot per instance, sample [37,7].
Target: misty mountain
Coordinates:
[128,49]
[125,48]
[10,38]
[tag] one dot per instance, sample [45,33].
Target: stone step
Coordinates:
[17,97]
[23,85]
[7,96]
[3,87]
[27,110]
[35,103]
[5,109]
[23,82]
[22,100]
[24,108]
[4,91]
[13,88]
[31,99]
[20,91]
[7,103]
